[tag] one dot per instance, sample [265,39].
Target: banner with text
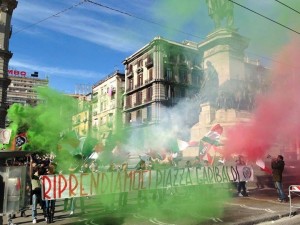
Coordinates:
[88,184]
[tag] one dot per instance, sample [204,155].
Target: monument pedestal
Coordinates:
[224,50]
[210,116]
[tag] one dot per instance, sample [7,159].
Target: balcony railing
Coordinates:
[149,64]
[139,70]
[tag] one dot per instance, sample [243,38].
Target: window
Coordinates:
[139,95]
[149,61]
[172,58]
[139,116]
[150,74]
[130,84]
[182,58]
[140,79]
[169,74]
[128,101]
[182,92]
[183,75]
[149,94]
[195,77]
[140,63]
[128,117]
[130,69]
[149,113]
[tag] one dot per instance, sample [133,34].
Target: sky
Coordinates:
[77,43]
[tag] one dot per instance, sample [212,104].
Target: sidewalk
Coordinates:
[266,199]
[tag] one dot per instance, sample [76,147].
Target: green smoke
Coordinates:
[46,121]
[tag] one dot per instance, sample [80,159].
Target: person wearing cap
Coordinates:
[277,166]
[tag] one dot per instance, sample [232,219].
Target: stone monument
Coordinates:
[223,56]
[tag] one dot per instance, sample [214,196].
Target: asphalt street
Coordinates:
[261,207]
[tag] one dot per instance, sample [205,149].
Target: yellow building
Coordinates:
[82,120]
[107,103]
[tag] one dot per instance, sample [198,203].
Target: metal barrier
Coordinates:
[293,189]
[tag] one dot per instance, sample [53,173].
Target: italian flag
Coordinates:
[210,142]
[260,163]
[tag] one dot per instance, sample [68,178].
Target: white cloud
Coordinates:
[87,22]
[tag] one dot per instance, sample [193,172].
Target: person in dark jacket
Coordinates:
[277,170]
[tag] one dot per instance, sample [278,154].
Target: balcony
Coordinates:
[149,64]
[130,74]
[139,70]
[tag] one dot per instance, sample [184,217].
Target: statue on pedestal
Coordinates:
[210,85]
[220,9]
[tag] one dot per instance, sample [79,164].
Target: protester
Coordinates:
[35,190]
[241,185]
[49,204]
[142,194]
[83,169]
[123,195]
[277,166]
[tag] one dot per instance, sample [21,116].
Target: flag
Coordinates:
[193,143]
[209,144]
[5,136]
[94,155]
[212,138]
[18,142]
[260,163]
[182,144]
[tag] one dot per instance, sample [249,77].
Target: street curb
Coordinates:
[266,219]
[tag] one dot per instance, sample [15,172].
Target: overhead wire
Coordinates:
[140,18]
[280,24]
[153,22]
[49,17]
[288,6]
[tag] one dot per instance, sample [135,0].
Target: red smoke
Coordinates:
[276,119]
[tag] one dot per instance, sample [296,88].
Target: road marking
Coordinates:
[156,221]
[92,222]
[253,208]
[138,216]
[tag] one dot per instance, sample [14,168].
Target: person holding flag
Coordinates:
[277,166]
[209,144]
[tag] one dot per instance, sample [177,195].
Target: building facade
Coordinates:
[157,76]
[107,105]
[82,120]
[22,88]
[6,11]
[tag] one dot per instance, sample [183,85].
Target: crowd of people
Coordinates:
[45,165]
